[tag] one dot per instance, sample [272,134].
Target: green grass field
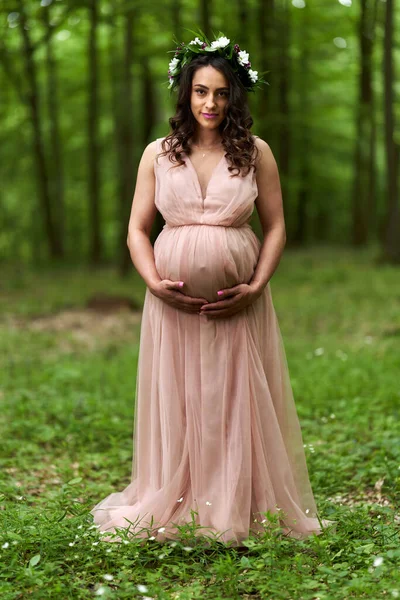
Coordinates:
[67,388]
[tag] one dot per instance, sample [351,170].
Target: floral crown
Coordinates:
[222,46]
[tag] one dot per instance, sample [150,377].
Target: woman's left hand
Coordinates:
[233,300]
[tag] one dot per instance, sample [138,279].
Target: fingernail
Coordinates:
[220,293]
[181,283]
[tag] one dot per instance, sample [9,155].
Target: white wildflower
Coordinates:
[253,75]
[161,530]
[196,41]
[108,577]
[71,544]
[152,537]
[95,543]
[378,560]
[220,42]
[243,57]
[161,556]
[188,548]
[142,588]
[101,590]
[332,416]
[5,545]
[318,351]
[173,65]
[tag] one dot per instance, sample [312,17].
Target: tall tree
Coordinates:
[364,184]
[392,148]
[96,246]
[284,82]
[56,162]
[305,139]
[205,22]
[33,99]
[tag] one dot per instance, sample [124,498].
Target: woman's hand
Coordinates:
[171,293]
[233,300]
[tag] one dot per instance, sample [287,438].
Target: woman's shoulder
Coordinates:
[264,150]
[260,143]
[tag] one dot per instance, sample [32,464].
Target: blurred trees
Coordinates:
[84,89]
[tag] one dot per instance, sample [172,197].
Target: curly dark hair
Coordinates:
[237,139]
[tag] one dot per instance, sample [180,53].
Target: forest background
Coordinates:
[83,89]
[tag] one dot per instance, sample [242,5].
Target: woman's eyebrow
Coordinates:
[204,86]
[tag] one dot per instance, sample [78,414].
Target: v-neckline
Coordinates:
[197,177]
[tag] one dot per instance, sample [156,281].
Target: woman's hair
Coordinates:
[237,139]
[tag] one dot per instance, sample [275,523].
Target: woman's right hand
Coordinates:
[171,293]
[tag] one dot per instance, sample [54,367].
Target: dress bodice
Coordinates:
[229,199]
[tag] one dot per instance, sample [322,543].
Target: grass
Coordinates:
[67,389]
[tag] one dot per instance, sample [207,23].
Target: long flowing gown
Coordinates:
[217,440]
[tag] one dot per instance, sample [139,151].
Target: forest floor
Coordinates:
[67,384]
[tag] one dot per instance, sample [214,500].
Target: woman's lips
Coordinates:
[209,116]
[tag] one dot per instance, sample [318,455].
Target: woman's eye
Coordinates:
[221,93]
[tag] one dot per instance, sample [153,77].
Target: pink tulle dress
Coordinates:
[217,440]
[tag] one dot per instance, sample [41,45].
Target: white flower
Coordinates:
[142,588]
[161,530]
[108,577]
[318,351]
[378,561]
[188,548]
[243,57]
[220,42]
[5,545]
[101,590]
[208,503]
[173,64]
[253,75]
[196,41]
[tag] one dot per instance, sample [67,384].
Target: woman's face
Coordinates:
[210,94]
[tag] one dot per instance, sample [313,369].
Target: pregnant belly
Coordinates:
[206,257]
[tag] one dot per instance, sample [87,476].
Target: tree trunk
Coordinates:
[205,17]
[299,235]
[56,163]
[126,140]
[364,165]
[267,57]
[53,241]
[284,115]
[96,249]
[392,149]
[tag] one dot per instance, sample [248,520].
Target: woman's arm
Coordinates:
[270,210]
[143,214]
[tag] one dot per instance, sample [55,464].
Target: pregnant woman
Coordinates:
[217,439]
